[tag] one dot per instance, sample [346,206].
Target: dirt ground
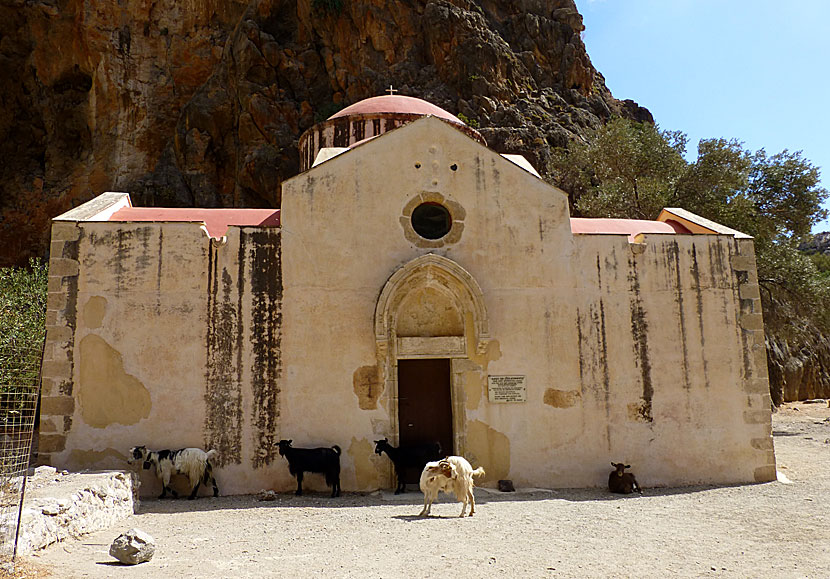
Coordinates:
[779,529]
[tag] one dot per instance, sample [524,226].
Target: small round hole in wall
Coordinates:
[454,167]
[431,220]
[417,165]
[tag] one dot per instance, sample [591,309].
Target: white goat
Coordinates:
[191,462]
[452,474]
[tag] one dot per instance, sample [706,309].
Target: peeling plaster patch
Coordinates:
[367,475]
[561,398]
[266,335]
[474,384]
[492,351]
[107,394]
[488,448]
[367,387]
[640,411]
[99,459]
[94,311]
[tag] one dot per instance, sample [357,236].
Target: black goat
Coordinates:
[622,482]
[413,456]
[321,460]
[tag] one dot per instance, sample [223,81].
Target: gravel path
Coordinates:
[767,530]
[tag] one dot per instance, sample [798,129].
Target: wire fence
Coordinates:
[19,389]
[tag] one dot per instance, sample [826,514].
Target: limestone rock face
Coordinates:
[133,547]
[201,103]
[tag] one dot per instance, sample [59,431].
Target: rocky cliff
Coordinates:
[201,102]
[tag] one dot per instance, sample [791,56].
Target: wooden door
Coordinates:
[424,404]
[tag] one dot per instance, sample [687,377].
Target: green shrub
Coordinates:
[22,324]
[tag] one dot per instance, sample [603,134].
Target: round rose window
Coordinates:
[431,220]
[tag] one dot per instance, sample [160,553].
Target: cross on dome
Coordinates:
[391,90]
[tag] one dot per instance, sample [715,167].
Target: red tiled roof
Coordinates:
[629,227]
[216,220]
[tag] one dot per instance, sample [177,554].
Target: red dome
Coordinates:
[396,104]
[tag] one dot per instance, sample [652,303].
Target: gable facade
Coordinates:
[344,319]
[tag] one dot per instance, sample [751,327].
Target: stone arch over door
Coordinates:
[441,281]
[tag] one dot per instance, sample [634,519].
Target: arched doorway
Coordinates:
[429,321]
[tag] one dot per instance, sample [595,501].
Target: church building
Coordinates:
[414,285]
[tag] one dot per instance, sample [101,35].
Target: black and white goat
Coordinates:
[622,482]
[320,460]
[408,457]
[194,463]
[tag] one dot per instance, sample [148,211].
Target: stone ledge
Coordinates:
[59,506]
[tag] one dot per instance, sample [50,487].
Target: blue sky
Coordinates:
[755,70]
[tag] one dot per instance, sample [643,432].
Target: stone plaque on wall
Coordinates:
[507,388]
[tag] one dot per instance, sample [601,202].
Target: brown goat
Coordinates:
[622,482]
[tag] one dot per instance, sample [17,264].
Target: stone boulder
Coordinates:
[133,547]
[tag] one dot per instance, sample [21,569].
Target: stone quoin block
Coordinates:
[65,232]
[765,473]
[756,416]
[743,263]
[750,291]
[57,369]
[752,322]
[764,443]
[58,333]
[63,267]
[57,405]
[55,284]
[52,443]
[56,300]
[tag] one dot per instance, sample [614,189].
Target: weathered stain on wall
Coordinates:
[673,259]
[223,393]
[266,333]
[561,398]
[695,269]
[107,394]
[367,387]
[488,448]
[70,314]
[367,467]
[639,331]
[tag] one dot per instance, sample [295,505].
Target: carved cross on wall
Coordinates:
[391,90]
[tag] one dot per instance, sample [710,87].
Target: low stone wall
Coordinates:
[60,505]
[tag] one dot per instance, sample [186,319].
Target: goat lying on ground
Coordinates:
[191,462]
[452,474]
[405,457]
[622,482]
[321,460]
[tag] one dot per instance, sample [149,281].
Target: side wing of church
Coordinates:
[419,287]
